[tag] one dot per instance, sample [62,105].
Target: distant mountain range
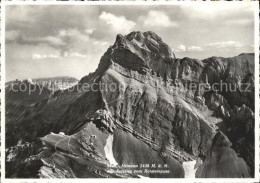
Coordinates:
[52,83]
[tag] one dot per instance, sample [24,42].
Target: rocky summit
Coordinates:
[142,109]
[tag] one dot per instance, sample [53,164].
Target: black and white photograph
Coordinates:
[131,91]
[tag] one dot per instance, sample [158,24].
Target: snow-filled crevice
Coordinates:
[189,169]
[109,150]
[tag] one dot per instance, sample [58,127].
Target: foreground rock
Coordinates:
[223,161]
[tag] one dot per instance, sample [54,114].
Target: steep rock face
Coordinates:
[155,102]
[222,161]
[156,114]
[217,103]
[143,52]
[238,75]
[129,150]
[238,124]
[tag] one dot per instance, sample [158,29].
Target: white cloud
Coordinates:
[195,48]
[118,23]
[76,54]
[16,36]
[156,18]
[225,44]
[53,40]
[181,48]
[216,46]
[100,43]
[37,56]
[242,21]
[89,31]
[208,10]
[68,32]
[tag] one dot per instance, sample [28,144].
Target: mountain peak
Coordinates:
[144,52]
[147,41]
[142,35]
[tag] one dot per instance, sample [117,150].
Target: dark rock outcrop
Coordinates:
[21,160]
[241,132]
[223,161]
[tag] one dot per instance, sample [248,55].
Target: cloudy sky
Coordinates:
[55,40]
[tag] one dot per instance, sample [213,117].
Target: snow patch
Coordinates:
[30,81]
[109,150]
[189,169]
[142,177]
